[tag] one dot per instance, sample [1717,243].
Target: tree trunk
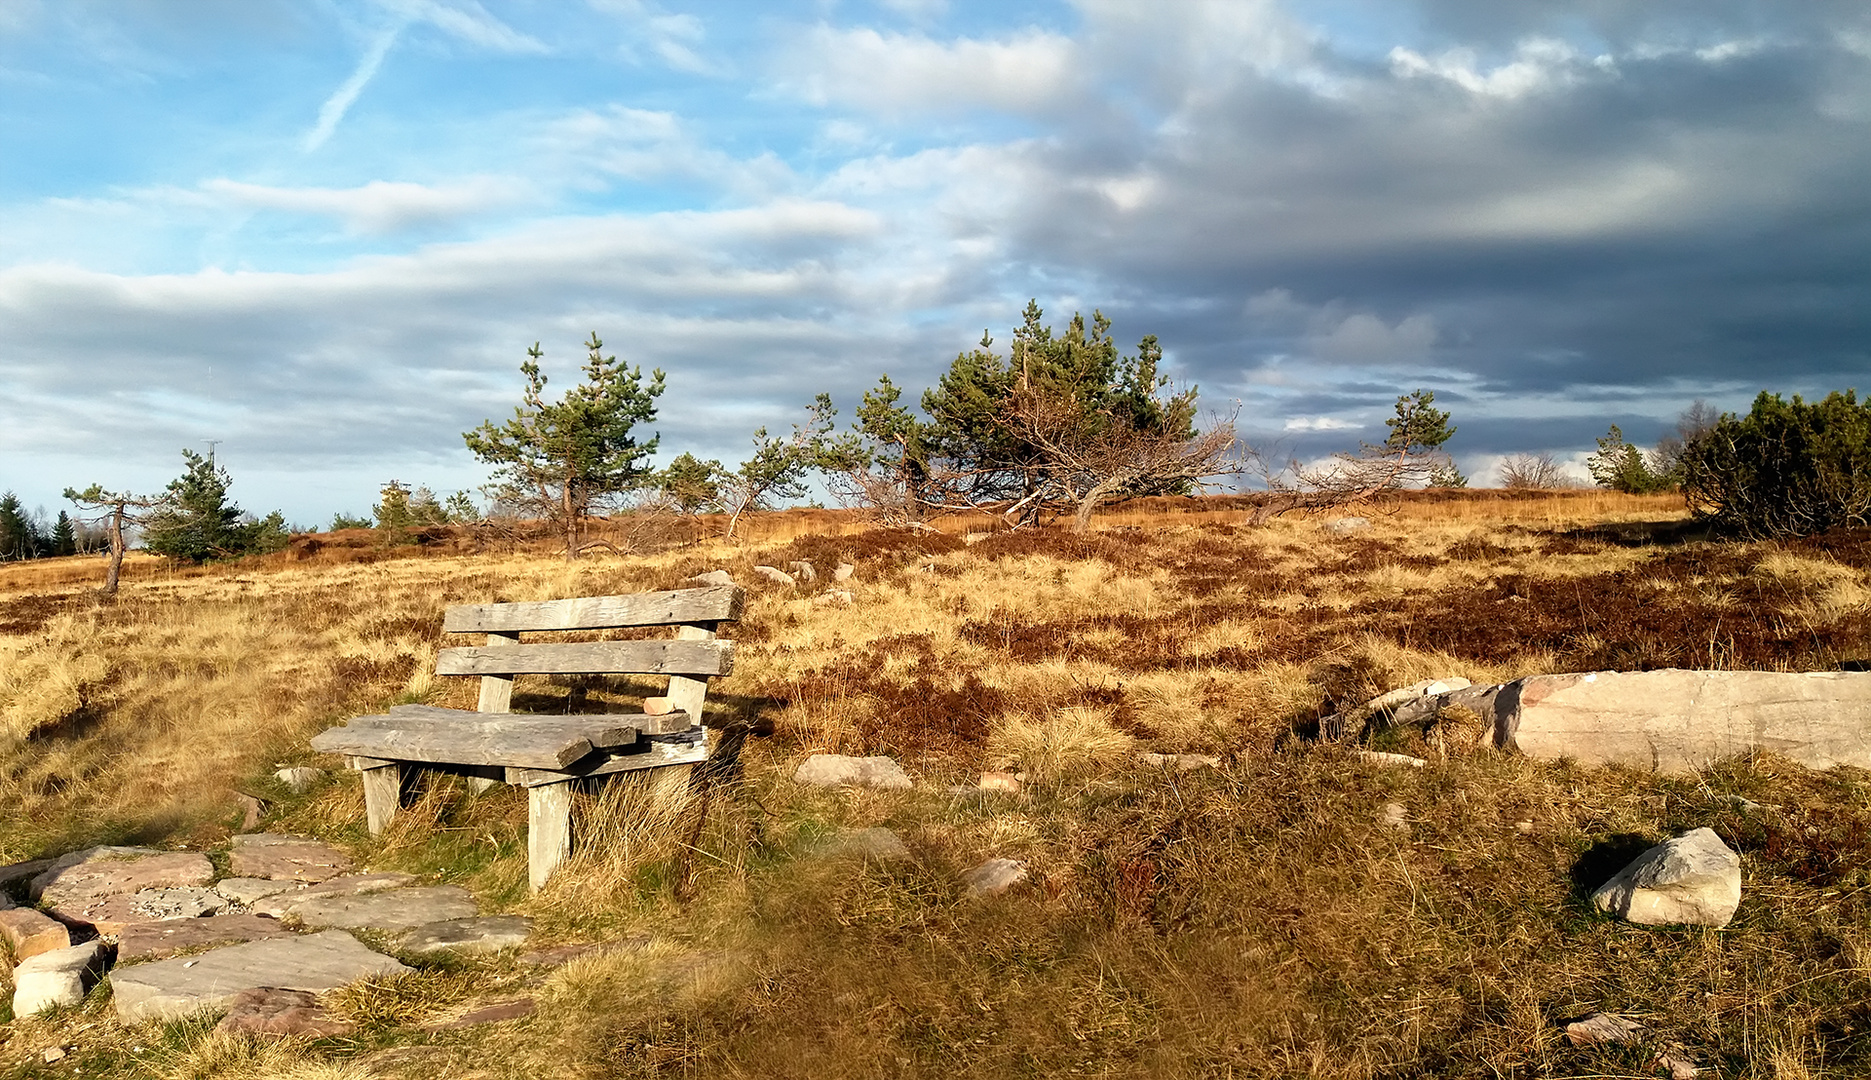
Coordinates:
[116,551]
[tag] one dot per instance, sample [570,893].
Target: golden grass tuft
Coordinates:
[1060,744]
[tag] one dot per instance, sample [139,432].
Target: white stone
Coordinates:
[714,577]
[1346,525]
[390,909]
[1395,816]
[1379,757]
[839,770]
[844,572]
[775,575]
[480,934]
[248,890]
[993,877]
[841,597]
[59,977]
[803,571]
[1693,880]
[299,779]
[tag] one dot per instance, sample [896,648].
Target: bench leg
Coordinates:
[549,835]
[383,795]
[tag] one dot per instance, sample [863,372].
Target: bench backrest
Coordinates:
[689,659]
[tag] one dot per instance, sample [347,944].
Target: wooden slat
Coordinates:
[648,724]
[599,731]
[528,746]
[591,658]
[649,755]
[712,604]
[383,796]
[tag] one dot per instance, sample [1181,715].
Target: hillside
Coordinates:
[1271,916]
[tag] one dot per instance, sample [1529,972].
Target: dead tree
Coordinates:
[115,509]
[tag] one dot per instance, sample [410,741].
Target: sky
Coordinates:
[320,235]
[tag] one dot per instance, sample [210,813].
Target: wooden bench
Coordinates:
[549,754]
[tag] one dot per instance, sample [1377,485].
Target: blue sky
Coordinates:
[324,232]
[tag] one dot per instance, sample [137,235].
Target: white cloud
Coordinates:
[1538,64]
[1334,333]
[468,22]
[1320,423]
[379,206]
[675,39]
[341,99]
[894,73]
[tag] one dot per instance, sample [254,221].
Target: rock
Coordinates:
[350,885]
[30,933]
[294,858]
[838,770]
[52,1054]
[480,934]
[993,877]
[154,940]
[1395,816]
[299,779]
[1524,828]
[803,571]
[12,875]
[873,845]
[843,572]
[1345,526]
[841,597]
[1678,721]
[111,914]
[999,781]
[494,1013]
[253,808]
[60,977]
[775,575]
[657,706]
[177,988]
[97,872]
[390,909]
[1601,1029]
[1406,704]
[247,890]
[1678,1068]
[714,577]
[1693,880]
[1180,762]
[274,1010]
[1378,757]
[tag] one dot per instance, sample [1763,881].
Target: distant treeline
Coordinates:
[32,535]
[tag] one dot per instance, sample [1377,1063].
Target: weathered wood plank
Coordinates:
[591,658]
[547,748]
[497,690]
[712,604]
[648,723]
[600,731]
[383,796]
[653,755]
[549,830]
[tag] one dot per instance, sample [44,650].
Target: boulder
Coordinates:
[30,933]
[294,858]
[775,575]
[1677,721]
[154,940]
[299,779]
[60,977]
[1693,880]
[350,885]
[993,877]
[390,909]
[12,875]
[97,872]
[479,934]
[1345,526]
[803,571]
[843,572]
[838,770]
[999,781]
[273,1010]
[1602,1029]
[714,577]
[178,988]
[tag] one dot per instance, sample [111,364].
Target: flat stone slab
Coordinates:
[392,909]
[272,1010]
[250,890]
[59,977]
[178,988]
[111,914]
[85,876]
[30,933]
[12,875]
[839,770]
[154,940]
[993,877]
[349,885]
[479,934]
[293,858]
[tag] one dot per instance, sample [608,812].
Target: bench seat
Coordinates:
[464,737]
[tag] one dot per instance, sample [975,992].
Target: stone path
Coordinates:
[177,988]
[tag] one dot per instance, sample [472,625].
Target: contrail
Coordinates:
[340,102]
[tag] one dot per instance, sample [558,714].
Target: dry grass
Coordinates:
[1258,920]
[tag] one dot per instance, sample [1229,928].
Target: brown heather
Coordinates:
[1258,920]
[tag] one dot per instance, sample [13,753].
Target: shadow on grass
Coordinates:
[1602,861]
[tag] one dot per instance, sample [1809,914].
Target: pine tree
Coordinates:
[64,535]
[16,533]
[198,523]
